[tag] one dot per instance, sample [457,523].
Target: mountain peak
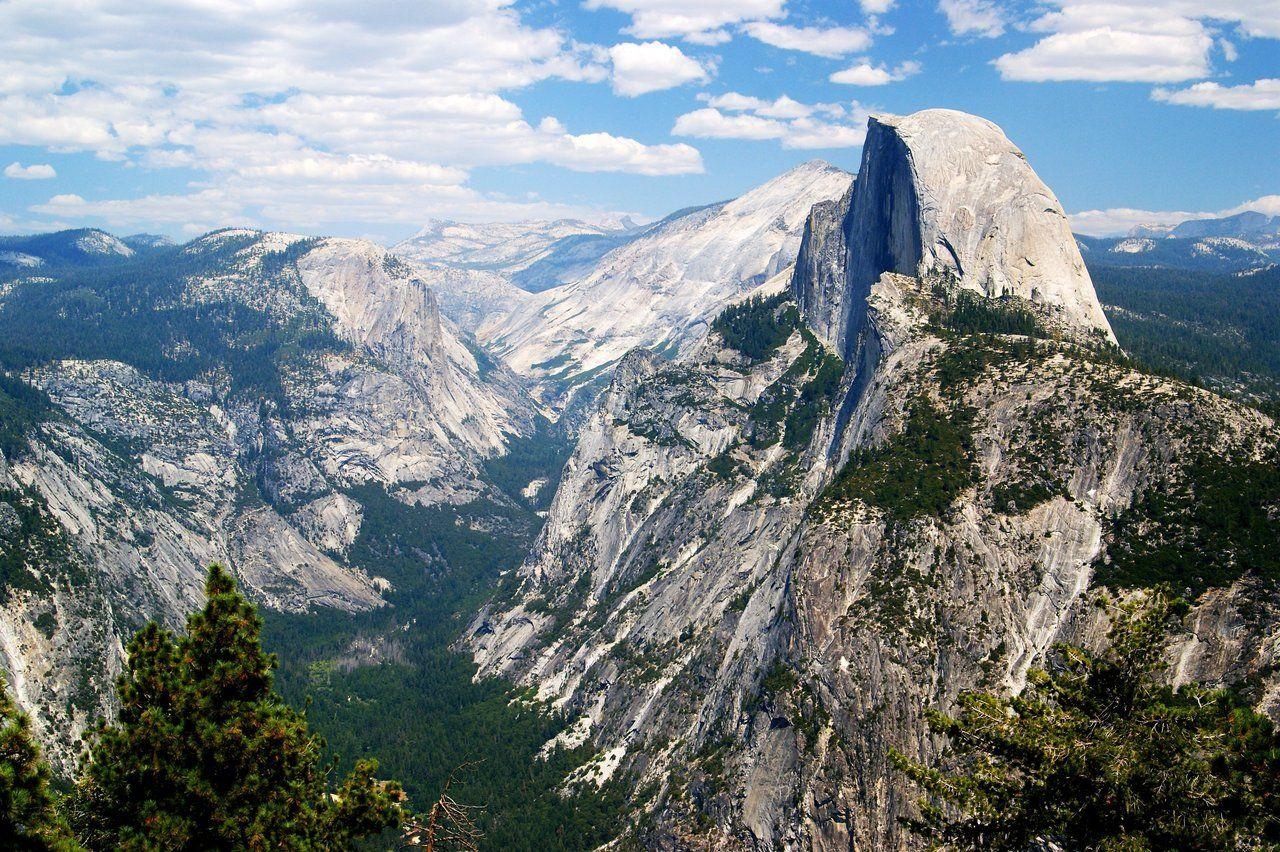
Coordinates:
[945,191]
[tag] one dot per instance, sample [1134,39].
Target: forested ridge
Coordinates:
[388,684]
[1217,329]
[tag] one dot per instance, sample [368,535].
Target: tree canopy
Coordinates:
[29,818]
[205,755]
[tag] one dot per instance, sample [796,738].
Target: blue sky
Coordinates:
[369,118]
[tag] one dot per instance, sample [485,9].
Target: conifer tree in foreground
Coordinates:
[29,819]
[205,755]
[1101,754]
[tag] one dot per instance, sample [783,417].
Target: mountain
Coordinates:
[907,473]
[143,242]
[1207,254]
[81,247]
[535,255]
[662,288]
[948,193]
[474,299]
[1243,243]
[1250,225]
[260,399]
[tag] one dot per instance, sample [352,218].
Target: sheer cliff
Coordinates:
[907,473]
[661,288]
[234,400]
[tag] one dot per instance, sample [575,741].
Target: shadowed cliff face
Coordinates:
[756,577]
[941,191]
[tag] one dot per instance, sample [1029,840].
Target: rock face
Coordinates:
[755,578]
[496,246]
[944,191]
[474,298]
[138,481]
[662,288]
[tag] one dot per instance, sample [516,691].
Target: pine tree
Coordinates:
[205,755]
[1101,754]
[29,819]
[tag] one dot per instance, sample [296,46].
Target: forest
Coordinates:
[1216,329]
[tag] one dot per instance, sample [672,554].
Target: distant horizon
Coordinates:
[1127,231]
[369,120]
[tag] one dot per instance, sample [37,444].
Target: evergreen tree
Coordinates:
[1100,755]
[204,755]
[29,819]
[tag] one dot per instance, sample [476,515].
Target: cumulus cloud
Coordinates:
[1258,95]
[974,17]
[830,42]
[1118,221]
[1134,40]
[652,66]
[35,171]
[699,21]
[866,74]
[875,7]
[325,109]
[710,123]
[796,125]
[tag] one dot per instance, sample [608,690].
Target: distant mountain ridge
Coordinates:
[534,255]
[1243,243]
[79,246]
[662,287]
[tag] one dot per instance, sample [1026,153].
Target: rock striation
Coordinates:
[661,289]
[740,595]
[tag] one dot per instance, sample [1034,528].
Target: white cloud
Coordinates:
[830,42]
[808,133]
[700,21]
[319,108]
[794,124]
[1135,40]
[652,66]
[1259,95]
[603,152]
[866,74]
[974,17]
[875,7]
[1118,221]
[781,107]
[710,123]
[35,171]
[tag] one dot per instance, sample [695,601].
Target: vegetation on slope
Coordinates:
[134,312]
[1098,753]
[1214,523]
[29,817]
[756,327]
[919,471]
[34,548]
[22,407]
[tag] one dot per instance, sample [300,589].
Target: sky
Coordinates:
[371,118]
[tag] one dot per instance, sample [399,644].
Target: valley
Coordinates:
[663,535]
